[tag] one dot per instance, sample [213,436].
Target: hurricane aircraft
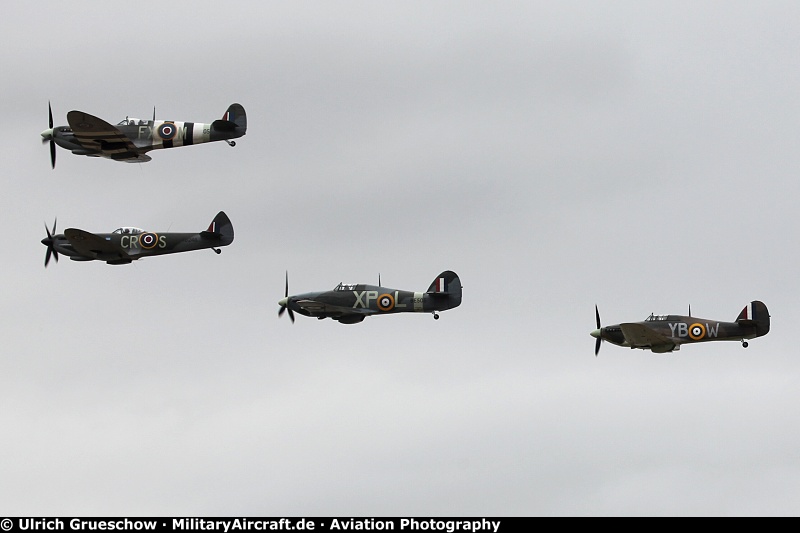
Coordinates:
[132,138]
[666,333]
[350,303]
[128,244]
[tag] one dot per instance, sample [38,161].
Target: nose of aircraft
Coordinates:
[47,134]
[595,334]
[284,302]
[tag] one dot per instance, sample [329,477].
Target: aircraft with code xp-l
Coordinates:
[132,138]
[666,333]
[350,303]
[128,244]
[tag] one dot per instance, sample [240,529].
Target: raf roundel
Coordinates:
[167,131]
[385,302]
[148,241]
[697,331]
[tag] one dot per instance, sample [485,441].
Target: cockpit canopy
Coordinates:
[656,318]
[346,287]
[130,121]
[128,231]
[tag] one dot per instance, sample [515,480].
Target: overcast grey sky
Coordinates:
[642,156]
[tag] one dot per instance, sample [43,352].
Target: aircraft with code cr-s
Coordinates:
[666,333]
[350,303]
[128,244]
[132,138]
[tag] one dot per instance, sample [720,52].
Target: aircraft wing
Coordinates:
[320,308]
[94,246]
[96,134]
[640,336]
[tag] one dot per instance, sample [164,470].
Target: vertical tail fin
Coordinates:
[235,113]
[222,228]
[447,284]
[755,314]
[232,125]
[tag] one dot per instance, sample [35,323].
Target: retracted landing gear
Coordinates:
[231,143]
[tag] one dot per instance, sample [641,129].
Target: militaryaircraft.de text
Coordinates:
[132,138]
[128,244]
[666,333]
[350,303]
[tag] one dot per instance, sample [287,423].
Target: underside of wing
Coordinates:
[640,336]
[95,247]
[316,308]
[97,135]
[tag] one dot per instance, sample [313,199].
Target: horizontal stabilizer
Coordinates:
[223,125]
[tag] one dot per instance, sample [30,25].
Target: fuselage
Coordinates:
[137,244]
[154,135]
[147,135]
[681,330]
[382,300]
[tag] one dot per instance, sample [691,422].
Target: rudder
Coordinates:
[222,228]
[755,314]
[236,114]
[232,125]
[447,284]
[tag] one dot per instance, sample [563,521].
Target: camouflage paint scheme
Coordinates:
[131,138]
[128,244]
[352,303]
[666,333]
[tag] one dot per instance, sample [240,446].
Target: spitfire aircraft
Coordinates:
[128,244]
[666,333]
[350,303]
[132,138]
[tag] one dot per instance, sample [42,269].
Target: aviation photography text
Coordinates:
[232,525]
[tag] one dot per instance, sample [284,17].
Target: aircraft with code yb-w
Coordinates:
[666,333]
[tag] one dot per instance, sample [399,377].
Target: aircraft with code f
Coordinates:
[132,138]
[127,244]
[350,303]
[666,333]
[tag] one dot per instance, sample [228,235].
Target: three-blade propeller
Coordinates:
[285,302]
[50,243]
